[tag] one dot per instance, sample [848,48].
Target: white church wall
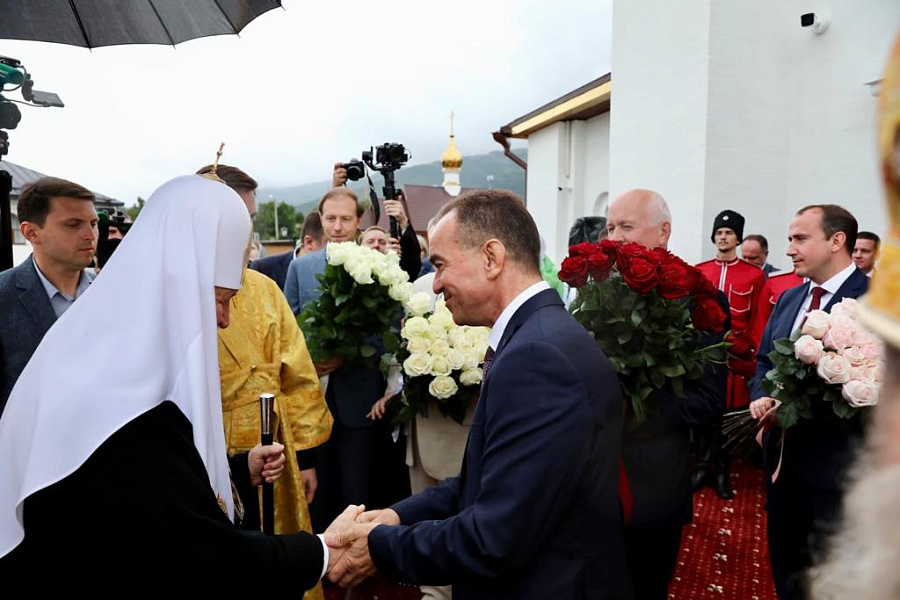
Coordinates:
[739,107]
[596,180]
[545,149]
[751,87]
[790,121]
[833,148]
[660,51]
[568,168]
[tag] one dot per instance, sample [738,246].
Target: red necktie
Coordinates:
[817,293]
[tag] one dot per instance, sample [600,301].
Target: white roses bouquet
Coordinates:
[441,361]
[832,357]
[362,292]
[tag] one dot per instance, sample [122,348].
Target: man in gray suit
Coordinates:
[346,458]
[58,218]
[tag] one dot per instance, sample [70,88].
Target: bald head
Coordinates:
[640,216]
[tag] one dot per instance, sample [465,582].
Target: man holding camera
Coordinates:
[407,246]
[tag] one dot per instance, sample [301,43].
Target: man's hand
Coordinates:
[761,409]
[378,408]
[355,564]
[394,208]
[265,463]
[344,522]
[338,175]
[310,484]
[324,367]
[385,516]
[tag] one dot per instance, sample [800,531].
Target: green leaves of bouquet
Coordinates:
[441,362]
[362,293]
[648,316]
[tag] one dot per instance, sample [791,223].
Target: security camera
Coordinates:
[818,22]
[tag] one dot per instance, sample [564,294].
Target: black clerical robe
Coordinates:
[139,518]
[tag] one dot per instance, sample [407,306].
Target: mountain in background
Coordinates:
[475,170]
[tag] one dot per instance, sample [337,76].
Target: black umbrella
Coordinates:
[95,23]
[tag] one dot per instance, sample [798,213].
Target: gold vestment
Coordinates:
[264,351]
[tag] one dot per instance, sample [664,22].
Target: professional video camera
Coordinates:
[385,159]
[13,73]
[106,245]
[390,157]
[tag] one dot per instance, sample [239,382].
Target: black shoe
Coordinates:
[723,489]
[700,478]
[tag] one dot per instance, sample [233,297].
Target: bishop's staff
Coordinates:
[266,418]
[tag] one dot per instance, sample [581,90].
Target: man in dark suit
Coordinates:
[755,249]
[312,238]
[656,453]
[58,218]
[804,501]
[534,513]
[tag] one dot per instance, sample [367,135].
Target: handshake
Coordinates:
[349,561]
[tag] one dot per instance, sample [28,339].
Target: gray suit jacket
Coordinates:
[300,284]
[351,390]
[25,316]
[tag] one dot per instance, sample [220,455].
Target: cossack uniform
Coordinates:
[742,283]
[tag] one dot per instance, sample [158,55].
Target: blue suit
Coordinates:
[534,513]
[804,502]
[768,269]
[25,316]
[274,267]
[300,284]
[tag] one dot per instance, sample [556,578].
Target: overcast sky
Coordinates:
[304,87]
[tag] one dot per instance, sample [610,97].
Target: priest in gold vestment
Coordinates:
[263,351]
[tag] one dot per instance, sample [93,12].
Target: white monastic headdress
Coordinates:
[190,237]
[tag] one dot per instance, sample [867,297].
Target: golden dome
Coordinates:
[451,159]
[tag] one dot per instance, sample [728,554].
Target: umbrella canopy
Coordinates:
[95,23]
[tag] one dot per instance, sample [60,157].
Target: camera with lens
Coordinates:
[112,227]
[389,157]
[386,159]
[356,169]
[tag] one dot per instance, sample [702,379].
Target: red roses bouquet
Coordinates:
[649,311]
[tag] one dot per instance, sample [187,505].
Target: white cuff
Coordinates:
[325,555]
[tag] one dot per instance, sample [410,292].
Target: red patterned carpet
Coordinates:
[723,552]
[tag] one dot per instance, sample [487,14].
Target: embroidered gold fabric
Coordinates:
[263,351]
[881,306]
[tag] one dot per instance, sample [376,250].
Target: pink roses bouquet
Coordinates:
[831,357]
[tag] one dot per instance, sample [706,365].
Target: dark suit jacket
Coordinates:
[817,451]
[656,453]
[25,316]
[274,267]
[534,513]
[769,269]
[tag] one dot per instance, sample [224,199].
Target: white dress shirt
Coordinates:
[831,287]
[511,308]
